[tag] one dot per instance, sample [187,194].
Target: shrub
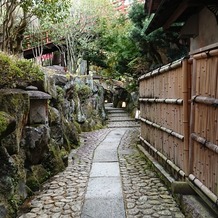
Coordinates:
[16,73]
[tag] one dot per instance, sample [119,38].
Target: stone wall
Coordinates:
[38,130]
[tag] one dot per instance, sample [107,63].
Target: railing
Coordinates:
[35,40]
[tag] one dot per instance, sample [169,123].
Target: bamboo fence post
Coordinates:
[216,78]
[186,116]
[192,117]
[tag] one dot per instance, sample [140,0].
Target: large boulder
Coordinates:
[7,124]
[49,85]
[8,182]
[33,148]
[36,175]
[35,143]
[16,103]
[55,125]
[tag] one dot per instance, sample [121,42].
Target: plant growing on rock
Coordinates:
[83,91]
[18,73]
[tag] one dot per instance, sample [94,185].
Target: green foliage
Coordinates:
[128,51]
[17,72]
[157,48]
[137,15]
[15,17]
[52,10]
[4,121]
[30,71]
[76,35]
[83,91]
[119,48]
[9,70]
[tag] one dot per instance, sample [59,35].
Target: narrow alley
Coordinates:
[107,177]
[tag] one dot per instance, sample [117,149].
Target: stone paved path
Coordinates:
[104,197]
[73,193]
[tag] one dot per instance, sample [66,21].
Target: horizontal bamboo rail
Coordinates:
[205,100]
[161,100]
[206,54]
[163,69]
[204,189]
[169,162]
[164,129]
[204,142]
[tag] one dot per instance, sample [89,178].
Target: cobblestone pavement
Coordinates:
[63,195]
[144,193]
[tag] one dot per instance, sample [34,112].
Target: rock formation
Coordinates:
[39,126]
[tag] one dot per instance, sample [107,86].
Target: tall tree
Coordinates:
[15,15]
[156,48]
[81,33]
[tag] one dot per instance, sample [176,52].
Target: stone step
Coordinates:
[118,115]
[123,124]
[118,119]
[116,111]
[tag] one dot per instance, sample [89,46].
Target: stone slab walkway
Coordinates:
[104,197]
[106,178]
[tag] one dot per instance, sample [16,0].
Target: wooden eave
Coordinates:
[171,11]
[151,6]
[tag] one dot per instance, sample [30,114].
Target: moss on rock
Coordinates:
[7,124]
[83,91]
[53,162]
[32,183]
[36,176]
[17,72]
[70,134]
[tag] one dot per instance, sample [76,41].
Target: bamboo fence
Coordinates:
[179,115]
[164,107]
[204,115]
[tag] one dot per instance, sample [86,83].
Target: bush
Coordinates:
[84,91]
[17,73]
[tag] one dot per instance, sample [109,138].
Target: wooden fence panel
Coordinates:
[164,95]
[204,112]
[184,135]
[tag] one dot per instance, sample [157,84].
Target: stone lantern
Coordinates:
[38,106]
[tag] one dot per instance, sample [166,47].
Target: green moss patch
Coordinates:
[17,72]
[7,124]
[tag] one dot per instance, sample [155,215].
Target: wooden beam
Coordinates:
[179,10]
[150,7]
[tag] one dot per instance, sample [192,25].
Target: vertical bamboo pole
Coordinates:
[215,177]
[213,77]
[210,169]
[216,90]
[186,116]
[210,71]
[192,117]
